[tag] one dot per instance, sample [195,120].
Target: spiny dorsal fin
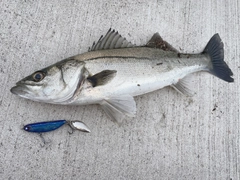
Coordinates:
[102,77]
[157,42]
[112,40]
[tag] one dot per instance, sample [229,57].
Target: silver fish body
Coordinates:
[138,71]
[112,77]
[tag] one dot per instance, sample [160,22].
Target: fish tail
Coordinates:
[217,65]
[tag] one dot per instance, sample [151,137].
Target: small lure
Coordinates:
[79,125]
[46,126]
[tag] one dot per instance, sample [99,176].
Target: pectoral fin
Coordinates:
[102,78]
[119,107]
[184,86]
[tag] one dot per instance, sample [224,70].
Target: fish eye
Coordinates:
[38,76]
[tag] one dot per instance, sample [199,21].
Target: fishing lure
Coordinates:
[79,125]
[46,126]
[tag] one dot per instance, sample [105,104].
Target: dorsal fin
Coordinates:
[157,42]
[112,40]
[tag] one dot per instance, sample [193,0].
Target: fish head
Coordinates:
[54,84]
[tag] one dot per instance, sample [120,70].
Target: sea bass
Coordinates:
[115,70]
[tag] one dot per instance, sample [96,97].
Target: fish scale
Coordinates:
[132,72]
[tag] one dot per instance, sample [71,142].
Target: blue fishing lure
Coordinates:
[46,126]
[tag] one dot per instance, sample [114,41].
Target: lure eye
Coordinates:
[38,76]
[26,128]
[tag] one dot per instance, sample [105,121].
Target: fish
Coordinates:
[114,71]
[46,126]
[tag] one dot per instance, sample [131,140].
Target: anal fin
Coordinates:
[184,86]
[119,107]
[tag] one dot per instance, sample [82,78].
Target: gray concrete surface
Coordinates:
[172,136]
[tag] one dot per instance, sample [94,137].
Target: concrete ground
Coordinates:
[172,136]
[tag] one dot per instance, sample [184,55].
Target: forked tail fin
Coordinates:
[217,65]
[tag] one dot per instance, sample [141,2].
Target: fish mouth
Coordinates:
[19,90]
